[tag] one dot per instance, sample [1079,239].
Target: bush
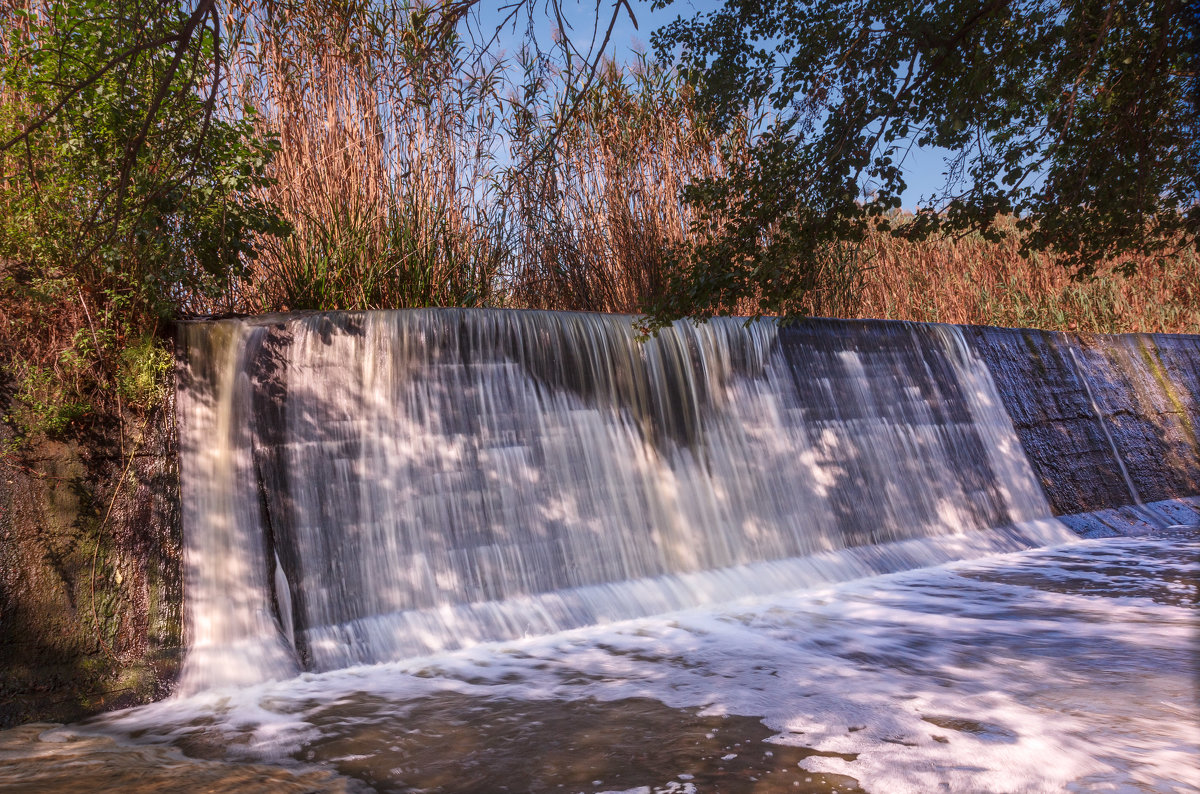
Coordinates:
[130,195]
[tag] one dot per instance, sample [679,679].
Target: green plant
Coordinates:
[41,405]
[130,193]
[1072,128]
[144,368]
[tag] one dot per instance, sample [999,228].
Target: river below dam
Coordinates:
[1067,668]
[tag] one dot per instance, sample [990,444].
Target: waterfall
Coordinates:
[360,487]
[232,634]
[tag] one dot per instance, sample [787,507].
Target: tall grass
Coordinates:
[388,145]
[595,195]
[416,173]
[970,280]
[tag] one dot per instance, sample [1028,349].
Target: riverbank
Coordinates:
[90,571]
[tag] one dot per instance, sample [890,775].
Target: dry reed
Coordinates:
[387,143]
[599,215]
[415,174]
[970,280]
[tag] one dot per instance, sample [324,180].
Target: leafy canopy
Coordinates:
[125,195]
[1080,118]
[120,173]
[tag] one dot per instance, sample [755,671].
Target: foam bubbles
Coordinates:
[1050,670]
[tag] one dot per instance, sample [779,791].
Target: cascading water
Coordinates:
[360,487]
[233,637]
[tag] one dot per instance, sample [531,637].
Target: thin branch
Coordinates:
[211,103]
[183,40]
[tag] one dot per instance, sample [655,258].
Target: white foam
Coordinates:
[1034,690]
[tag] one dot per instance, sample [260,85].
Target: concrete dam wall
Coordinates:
[364,487]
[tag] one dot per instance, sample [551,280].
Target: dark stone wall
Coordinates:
[1149,392]
[90,607]
[1144,388]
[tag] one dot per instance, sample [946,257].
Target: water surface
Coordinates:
[1071,668]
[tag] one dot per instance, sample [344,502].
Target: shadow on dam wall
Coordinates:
[1094,415]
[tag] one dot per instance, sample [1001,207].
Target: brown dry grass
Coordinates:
[414,175]
[386,134]
[598,212]
[970,280]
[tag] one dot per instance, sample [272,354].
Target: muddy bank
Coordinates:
[90,582]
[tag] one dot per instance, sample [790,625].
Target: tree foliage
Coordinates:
[124,193]
[118,167]
[1078,118]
